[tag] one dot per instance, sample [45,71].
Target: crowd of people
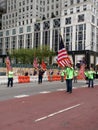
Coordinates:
[70,73]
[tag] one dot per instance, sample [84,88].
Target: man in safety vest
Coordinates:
[69,72]
[62,75]
[91,73]
[75,75]
[10,77]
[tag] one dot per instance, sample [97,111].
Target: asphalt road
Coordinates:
[48,107]
[28,89]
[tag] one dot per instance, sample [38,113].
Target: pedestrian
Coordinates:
[62,75]
[75,75]
[86,75]
[40,75]
[10,77]
[91,74]
[69,72]
[51,74]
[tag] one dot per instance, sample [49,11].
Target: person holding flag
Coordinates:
[64,61]
[69,71]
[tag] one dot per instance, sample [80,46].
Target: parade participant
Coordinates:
[91,73]
[86,75]
[51,74]
[10,77]
[40,75]
[75,76]
[62,75]
[69,71]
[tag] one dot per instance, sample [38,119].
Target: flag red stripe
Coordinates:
[63,58]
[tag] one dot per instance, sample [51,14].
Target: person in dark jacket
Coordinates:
[40,75]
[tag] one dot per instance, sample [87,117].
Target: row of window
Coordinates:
[80,39]
[78,9]
[71,2]
[68,20]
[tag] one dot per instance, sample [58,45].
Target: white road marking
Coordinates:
[45,92]
[21,96]
[60,89]
[55,113]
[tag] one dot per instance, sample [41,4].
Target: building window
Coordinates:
[55,40]
[13,31]
[71,11]
[46,39]
[65,12]
[84,7]
[68,20]
[7,33]
[80,37]
[68,38]
[93,19]
[57,13]
[97,22]
[23,2]
[36,39]
[71,2]
[19,3]
[81,18]
[57,5]
[28,28]
[21,30]
[28,40]
[78,1]
[65,3]
[20,41]
[1,34]
[13,42]
[78,9]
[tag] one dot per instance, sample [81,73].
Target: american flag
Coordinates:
[63,58]
[8,63]
[35,63]
[81,74]
[43,65]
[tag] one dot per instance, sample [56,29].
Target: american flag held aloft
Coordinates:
[63,58]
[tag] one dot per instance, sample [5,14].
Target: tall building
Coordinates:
[31,23]
[3,6]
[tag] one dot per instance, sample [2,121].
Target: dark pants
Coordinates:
[91,83]
[10,82]
[69,85]
[75,79]
[62,78]
[40,79]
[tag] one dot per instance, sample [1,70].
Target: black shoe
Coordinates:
[70,92]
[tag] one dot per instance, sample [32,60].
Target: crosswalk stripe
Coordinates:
[21,96]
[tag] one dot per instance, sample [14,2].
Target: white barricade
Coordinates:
[4,79]
[15,79]
[33,78]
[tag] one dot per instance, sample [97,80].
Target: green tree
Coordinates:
[26,56]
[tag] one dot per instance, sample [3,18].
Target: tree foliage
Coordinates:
[26,56]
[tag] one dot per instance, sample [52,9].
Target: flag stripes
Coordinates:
[63,59]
